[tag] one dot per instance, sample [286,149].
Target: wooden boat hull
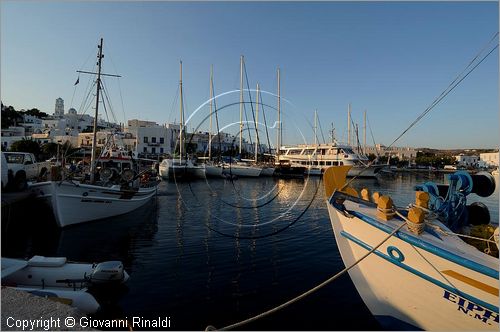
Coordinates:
[74,203]
[416,281]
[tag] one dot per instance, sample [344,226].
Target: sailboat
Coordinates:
[212,169]
[181,168]
[114,188]
[241,168]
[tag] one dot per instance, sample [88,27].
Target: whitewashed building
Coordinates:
[490,159]
[467,161]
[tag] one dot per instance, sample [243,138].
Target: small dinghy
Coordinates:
[55,277]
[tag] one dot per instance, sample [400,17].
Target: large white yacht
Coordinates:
[318,157]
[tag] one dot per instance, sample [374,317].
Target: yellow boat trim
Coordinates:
[474,283]
[334,178]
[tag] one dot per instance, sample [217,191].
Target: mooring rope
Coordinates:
[309,292]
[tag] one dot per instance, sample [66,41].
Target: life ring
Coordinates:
[127,175]
[106,174]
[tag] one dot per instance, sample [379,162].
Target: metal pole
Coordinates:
[94,139]
[278,134]
[211,103]
[349,124]
[182,116]
[256,125]
[241,103]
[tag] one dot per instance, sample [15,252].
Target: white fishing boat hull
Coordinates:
[242,170]
[74,203]
[417,282]
[213,171]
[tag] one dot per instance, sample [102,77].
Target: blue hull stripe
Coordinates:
[420,274]
[430,247]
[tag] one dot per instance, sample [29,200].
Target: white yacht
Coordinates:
[318,157]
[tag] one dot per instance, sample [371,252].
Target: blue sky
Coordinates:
[391,59]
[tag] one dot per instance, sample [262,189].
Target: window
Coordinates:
[153,139]
[161,150]
[145,150]
[162,140]
[146,140]
[153,150]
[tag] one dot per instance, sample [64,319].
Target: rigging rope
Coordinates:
[450,88]
[312,290]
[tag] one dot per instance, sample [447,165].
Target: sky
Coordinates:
[390,59]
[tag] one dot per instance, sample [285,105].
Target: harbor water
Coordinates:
[216,252]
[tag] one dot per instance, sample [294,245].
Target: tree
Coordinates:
[36,113]
[10,117]
[26,145]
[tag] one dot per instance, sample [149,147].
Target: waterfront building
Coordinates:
[467,161]
[402,153]
[11,135]
[151,139]
[490,159]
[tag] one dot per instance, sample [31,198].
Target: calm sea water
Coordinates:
[217,252]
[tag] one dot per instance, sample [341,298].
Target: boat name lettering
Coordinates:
[472,309]
[93,200]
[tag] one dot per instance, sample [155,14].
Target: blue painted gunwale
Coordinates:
[419,274]
[429,247]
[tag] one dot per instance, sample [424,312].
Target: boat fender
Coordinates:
[375,197]
[483,184]
[385,208]
[478,214]
[365,194]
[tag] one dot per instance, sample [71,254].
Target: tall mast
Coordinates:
[257,124]
[211,103]
[241,103]
[182,114]
[364,132]
[94,139]
[278,134]
[316,127]
[349,124]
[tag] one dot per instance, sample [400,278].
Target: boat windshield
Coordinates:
[347,151]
